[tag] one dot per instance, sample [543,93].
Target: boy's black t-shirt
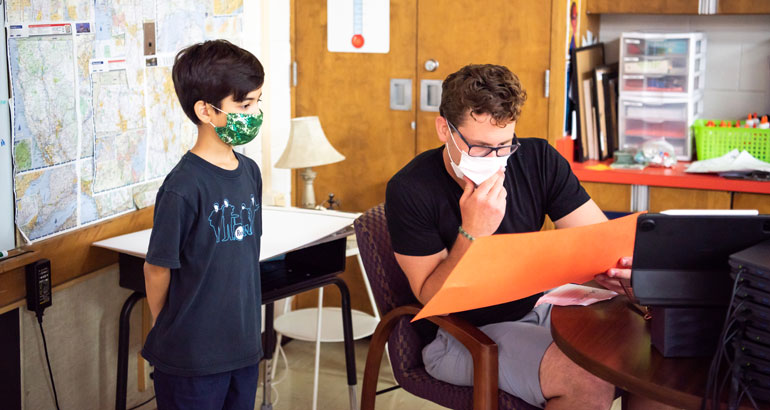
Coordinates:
[423,211]
[207,227]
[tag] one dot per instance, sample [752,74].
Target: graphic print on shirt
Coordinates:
[230,223]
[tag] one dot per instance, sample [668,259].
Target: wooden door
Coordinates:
[680,198]
[610,197]
[350,92]
[760,202]
[643,7]
[514,33]
[743,7]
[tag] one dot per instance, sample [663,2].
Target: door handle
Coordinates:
[431,65]
[430,95]
[401,94]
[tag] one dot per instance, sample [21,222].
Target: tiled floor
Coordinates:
[294,390]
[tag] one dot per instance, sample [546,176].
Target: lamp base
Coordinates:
[308,196]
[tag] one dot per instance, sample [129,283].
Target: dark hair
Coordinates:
[213,70]
[482,89]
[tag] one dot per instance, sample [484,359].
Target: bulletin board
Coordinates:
[96,124]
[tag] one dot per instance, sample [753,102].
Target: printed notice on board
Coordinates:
[26,30]
[358,26]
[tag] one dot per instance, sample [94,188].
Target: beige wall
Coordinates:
[737,56]
[266,34]
[81,329]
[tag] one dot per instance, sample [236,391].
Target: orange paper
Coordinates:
[502,268]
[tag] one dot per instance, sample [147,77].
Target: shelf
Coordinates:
[666,177]
[300,324]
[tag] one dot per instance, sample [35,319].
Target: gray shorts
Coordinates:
[521,346]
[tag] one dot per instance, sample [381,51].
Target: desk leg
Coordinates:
[347,331]
[317,363]
[123,341]
[268,350]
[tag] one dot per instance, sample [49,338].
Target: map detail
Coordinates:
[180,24]
[228,7]
[98,206]
[45,119]
[19,11]
[172,133]
[46,200]
[84,44]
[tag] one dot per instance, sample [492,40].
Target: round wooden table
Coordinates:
[612,341]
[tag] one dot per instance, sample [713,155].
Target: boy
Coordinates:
[202,265]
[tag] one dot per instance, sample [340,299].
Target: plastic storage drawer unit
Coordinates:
[647,119]
[662,65]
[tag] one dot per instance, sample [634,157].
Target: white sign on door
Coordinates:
[358,26]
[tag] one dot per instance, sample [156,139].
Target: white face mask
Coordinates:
[477,169]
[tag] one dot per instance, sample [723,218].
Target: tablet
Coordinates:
[682,260]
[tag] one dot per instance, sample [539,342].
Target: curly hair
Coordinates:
[482,89]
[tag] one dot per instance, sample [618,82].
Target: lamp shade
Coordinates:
[308,146]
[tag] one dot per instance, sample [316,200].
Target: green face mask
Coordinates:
[240,128]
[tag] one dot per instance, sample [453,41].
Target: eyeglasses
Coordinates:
[485,150]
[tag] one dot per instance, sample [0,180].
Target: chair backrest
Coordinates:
[389,284]
[391,289]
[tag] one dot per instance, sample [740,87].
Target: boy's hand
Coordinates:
[617,278]
[156,280]
[483,207]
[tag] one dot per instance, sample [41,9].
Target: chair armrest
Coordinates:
[483,352]
[466,333]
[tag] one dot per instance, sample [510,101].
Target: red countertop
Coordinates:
[666,177]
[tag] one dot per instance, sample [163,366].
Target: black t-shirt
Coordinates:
[423,210]
[206,229]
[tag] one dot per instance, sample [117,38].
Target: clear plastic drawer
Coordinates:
[662,65]
[642,120]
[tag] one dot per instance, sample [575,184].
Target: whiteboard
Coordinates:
[6,170]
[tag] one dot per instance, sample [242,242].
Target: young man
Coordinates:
[202,265]
[484,181]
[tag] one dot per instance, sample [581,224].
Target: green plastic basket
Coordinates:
[712,142]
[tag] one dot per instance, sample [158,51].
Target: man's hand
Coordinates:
[483,207]
[613,278]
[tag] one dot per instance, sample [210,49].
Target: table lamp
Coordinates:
[308,147]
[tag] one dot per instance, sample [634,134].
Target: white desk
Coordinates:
[304,225]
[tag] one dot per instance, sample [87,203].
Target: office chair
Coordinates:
[397,306]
